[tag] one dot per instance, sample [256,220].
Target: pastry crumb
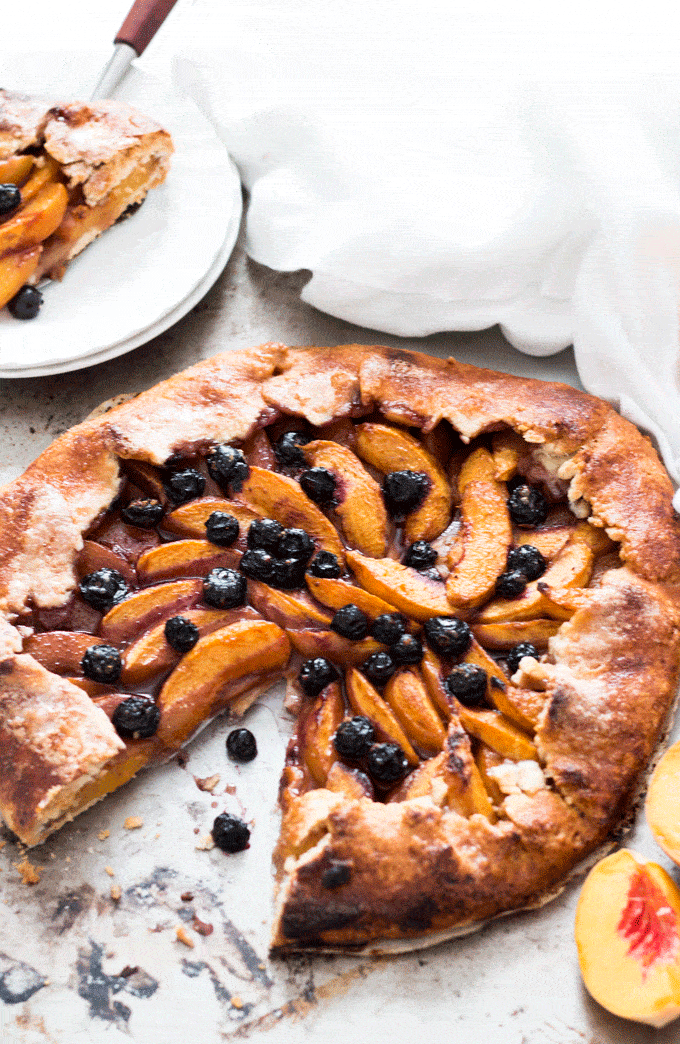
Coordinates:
[110,871]
[183,937]
[208,783]
[2,845]
[187,897]
[236,1002]
[30,874]
[133,823]
[116,892]
[103,834]
[205,844]
[202,927]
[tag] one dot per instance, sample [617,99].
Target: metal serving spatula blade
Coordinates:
[141,24]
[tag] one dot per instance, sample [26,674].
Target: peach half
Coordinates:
[661,805]
[628,938]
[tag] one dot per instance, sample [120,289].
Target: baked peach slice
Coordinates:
[481,552]
[60,651]
[358,500]
[432,673]
[549,540]
[34,221]
[287,609]
[94,556]
[352,782]
[391,449]
[408,698]
[332,646]
[141,610]
[207,678]
[189,520]
[184,558]
[365,699]
[486,759]
[15,270]
[316,731]
[522,706]
[409,591]
[276,496]
[16,169]
[337,593]
[450,779]
[661,806]
[512,632]
[628,938]
[494,729]
[45,171]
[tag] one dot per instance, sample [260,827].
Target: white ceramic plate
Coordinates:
[143,275]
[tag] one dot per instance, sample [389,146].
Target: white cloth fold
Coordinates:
[452,166]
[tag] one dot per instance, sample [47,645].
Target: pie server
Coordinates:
[141,24]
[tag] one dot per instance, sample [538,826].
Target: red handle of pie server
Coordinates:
[142,22]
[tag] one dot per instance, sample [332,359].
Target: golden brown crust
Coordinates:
[416,869]
[22,121]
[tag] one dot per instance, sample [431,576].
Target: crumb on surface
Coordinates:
[110,871]
[202,927]
[205,844]
[183,936]
[208,783]
[187,897]
[103,834]
[236,1002]
[116,892]
[30,874]
[133,823]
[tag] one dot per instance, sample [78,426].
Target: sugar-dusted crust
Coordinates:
[22,121]
[417,872]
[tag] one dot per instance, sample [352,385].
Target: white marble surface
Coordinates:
[67,950]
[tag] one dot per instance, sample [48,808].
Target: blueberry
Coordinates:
[387,763]
[103,589]
[227,466]
[181,634]
[467,683]
[287,449]
[145,514]
[325,564]
[26,303]
[447,635]
[222,528]
[316,674]
[336,874]
[528,560]
[137,717]
[185,485]
[511,584]
[102,663]
[295,543]
[224,589]
[527,506]
[319,485]
[353,738]
[266,533]
[289,574]
[230,833]
[241,745]
[258,564]
[407,651]
[350,622]
[404,491]
[420,555]
[10,199]
[379,668]
[388,628]
[517,652]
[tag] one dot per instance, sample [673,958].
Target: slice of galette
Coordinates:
[470,581]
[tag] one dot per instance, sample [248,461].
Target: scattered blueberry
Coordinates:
[517,652]
[420,555]
[241,745]
[316,674]
[295,543]
[26,303]
[137,717]
[289,574]
[287,449]
[222,528]
[407,651]
[387,763]
[230,833]
[447,635]
[185,485]
[511,584]
[102,663]
[404,491]
[181,634]
[319,485]
[266,533]
[10,199]
[379,668]
[527,506]
[353,738]
[528,560]
[467,683]
[227,466]
[145,514]
[350,622]
[325,564]
[224,589]
[103,589]
[258,564]
[388,628]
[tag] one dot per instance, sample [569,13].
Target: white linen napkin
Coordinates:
[451,166]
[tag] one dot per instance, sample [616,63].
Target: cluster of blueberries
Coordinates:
[26,302]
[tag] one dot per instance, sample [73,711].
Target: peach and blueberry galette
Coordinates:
[67,173]
[469,581]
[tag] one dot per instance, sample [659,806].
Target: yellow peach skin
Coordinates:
[661,806]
